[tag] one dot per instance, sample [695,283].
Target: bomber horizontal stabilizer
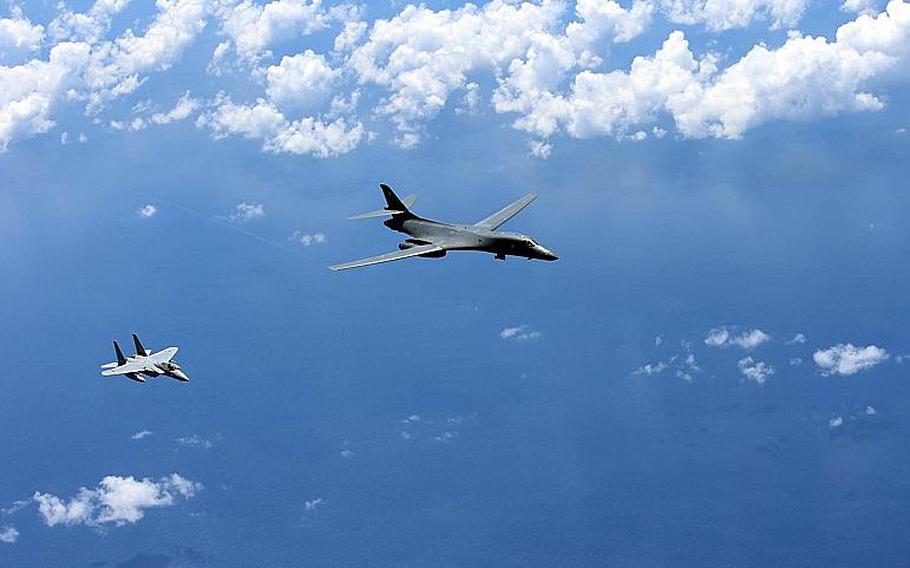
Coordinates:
[407,202]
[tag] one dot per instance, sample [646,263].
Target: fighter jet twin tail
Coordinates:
[144,364]
[433,239]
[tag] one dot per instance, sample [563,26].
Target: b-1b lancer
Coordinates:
[144,362]
[433,239]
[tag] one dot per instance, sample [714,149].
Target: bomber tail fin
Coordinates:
[121,360]
[394,205]
[140,349]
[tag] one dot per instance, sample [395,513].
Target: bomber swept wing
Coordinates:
[433,239]
[497,219]
[389,257]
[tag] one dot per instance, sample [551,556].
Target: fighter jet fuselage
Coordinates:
[145,363]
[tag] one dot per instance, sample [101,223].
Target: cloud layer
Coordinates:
[544,64]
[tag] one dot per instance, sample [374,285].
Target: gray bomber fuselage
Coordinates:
[466,237]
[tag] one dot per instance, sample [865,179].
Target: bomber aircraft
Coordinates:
[433,239]
[144,362]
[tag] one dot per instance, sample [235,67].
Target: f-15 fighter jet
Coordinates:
[433,239]
[144,362]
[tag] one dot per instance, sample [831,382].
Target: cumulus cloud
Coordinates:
[264,121]
[245,212]
[836,422]
[141,434]
[195,441]
[300,81]
[805,78]
[756,371]
[520,333]
[719,15]
[868,7]
[8,535]
[185,106]
[147,211]
[306,239]
[651,369]
[18,35]
[116,500]
[85,68]
[724,337]
[846,359]
[543,58]
[251,28]
[798,339]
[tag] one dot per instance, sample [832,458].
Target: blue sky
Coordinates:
[713,373]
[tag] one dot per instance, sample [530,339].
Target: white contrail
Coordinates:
[228,224]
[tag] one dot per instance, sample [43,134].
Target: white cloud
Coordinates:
[82,68]
[244,212]
[756,371]
[300,82]
[195,441]
[846,359]
[836,422]
[313,504]
[116,500]
[88,27]
[421,56]
[651,369]
[350,35]
[148,210]
[347,453]
[308,239]
[798,339]
[16,506]
[29,92]
[520,333]
[543,58]
[141,434]
[539,149]
[805,78]
[264,121]
[185,106]
[8,535]
[723,337]
[870,411]
[868,7]
[18,36]
[252,28]
[718,15]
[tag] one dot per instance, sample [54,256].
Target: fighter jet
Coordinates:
[144,362]
[433,239]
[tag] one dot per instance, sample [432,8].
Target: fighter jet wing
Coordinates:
[389,257]
[126,369]
[162,356]
[496,220]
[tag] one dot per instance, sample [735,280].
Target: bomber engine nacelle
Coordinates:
[435,254]
[411,243]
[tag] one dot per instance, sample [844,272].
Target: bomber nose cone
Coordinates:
[549,255]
